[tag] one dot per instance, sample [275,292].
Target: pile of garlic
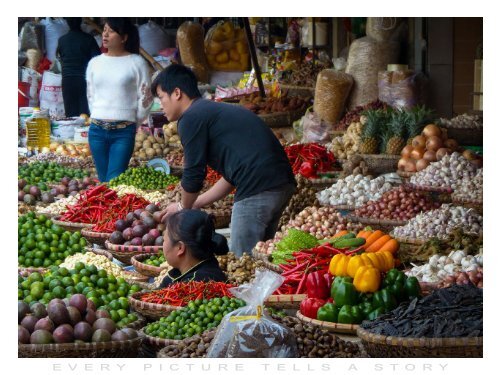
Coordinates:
[441,267]
[471,189]
[354,191]
[59,206]
[440,223]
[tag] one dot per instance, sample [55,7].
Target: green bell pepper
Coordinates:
[412,288]
[366,307]
[350,315]
[343,292]
[376,313]
[328,313]
[397,289]
[384,298]
[393,276]
[339,279]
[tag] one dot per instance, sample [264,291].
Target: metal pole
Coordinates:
[253,55]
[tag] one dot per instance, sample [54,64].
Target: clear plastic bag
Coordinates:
[191,48]
[249,332]
[314,129]
[226,48]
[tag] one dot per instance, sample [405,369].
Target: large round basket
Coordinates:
[408,248]
[221,221]
[475,204]
[176,170]
[405,176]
[294,90]
[145,269]
[135,277]
[139,323]
[112,349]
[438,194]
[72,227]
[332,327]
[96,238]
[466,137]
[156,343]
[266,262]
[207,335]
[282,119]
[380,346]
[149,310]
[380,164]
[26,271]
[102,252]
[384,225]
[125,253]
[319,184]
[285,301]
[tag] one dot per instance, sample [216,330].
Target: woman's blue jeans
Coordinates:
[111,150]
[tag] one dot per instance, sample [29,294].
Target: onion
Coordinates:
[477,162]
[410,166]
[422,164]
[430,156]
[418,153]
[432,130]
[419,140]
[405,153]
[402,163]
[434,143]
[451,144]
[469,155]
[442,152]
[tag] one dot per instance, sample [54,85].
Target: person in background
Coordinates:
[118,91]
[74,50]
[238,145]
[190,245]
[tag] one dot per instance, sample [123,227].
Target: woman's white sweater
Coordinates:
[118,88]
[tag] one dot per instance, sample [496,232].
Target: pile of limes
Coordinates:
[37,172]
[195,318]
[43,244]
[145,178]
[155,260]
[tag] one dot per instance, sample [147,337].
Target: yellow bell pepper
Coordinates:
[338,265]
[386,260]
[373,259]
[354,263]
[367,279]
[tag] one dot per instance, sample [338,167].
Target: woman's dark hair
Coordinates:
[196,229]
[174,76]
[74,23]
[124,26]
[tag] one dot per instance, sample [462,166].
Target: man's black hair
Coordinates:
[74,23]
[179,76]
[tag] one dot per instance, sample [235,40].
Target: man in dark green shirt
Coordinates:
[237,144]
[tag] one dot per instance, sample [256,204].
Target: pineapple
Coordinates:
[418,117]
[369,136]
[395,135]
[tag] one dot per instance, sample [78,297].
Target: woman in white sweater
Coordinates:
[118,92]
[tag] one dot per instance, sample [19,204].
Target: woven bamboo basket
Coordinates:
[466,137]
[221,221]
[145,286]
[125,253]
[380,164]
[477,205]
[139,323]
[145,269]
[210,334]
[332,327]
[282,119]
[439,194]
[380,346]
[176,170]
[156,343]
[72,227]
[384,225]
[112,349]
[407,248]
[103,252]
[149,310]
[319,184]
[134,277]
[29,270]
[96,238]
[294,90]
[284,301]
[405,176]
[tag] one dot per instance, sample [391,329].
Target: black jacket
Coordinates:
[206,270]
[75,49]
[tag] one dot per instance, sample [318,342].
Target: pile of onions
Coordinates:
[450,171]
[471,189]
[430,146]
[321,222]
[400,203]
[440,223]
[73,150]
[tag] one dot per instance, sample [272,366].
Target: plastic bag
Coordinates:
[153,38]
[191,48]
[51,94]
[331,93]
[249,332]
[54,29]
[314,129]
[400,89]
[32,36]
[226,48]
[34,79]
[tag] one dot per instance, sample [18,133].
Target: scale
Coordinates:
[159,165]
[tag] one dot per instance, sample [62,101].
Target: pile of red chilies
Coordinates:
[102,206]
[308,159]
[304,262]
[179,294]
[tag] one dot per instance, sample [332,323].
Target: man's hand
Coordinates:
[171,208]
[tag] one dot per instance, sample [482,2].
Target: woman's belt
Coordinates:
[111,125]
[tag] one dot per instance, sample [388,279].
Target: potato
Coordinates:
[168,132]
[174,126]
[140,137]
[142,154]
[157,146]
[150,152]
[146,144]
[174,139]
[151,139]
[166,151]
[158,151]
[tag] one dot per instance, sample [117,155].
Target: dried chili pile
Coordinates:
[309,158]
[102,206]
[179,294]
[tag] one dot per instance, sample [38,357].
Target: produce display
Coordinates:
[141,227]
[432,316]
[146,178]
[463,121]
[155,260]
[69,161]
[45,172]
[59,282]
[74,321]
[180,294]
[170,133]
[440,223]
[70,149]
[60,205]
[226,48]
[195,318]
[221,207]
[354,191]
[43,244]
[356,114]
[305,196]
[322,222]
[348,144]
[148,147]
[153,197]
[355,165]
[31,194]
[456,268]
[292,242]
[305,75]
[238,270]
[471,189]
[309,159]
[192,347]
[451,171]
[262,106]
[401,203]
[175,158]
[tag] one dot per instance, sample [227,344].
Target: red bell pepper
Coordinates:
[310,306]
[316,285]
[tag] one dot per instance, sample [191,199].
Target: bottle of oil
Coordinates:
[38,130]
